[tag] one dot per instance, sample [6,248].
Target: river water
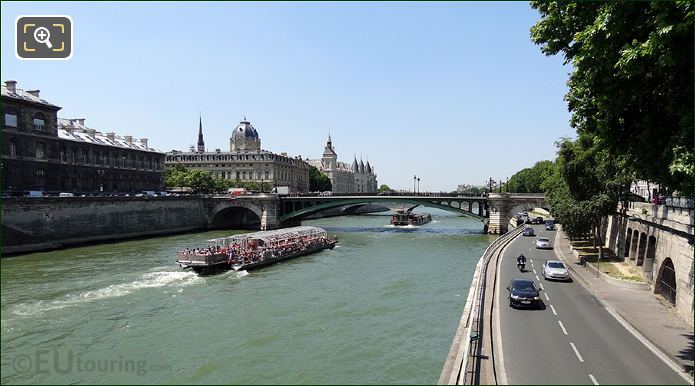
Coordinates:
[382,307]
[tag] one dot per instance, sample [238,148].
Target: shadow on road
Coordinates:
[687,352]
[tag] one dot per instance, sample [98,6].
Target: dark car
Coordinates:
[528,231]
[538,220]
[549,225]
[523,293]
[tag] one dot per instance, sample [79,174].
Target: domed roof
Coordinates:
[245,130]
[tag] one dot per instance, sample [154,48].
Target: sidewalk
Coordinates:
[639,309]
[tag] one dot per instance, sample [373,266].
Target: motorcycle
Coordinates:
[521,266]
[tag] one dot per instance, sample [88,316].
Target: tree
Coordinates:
[175,177]
[384,188]
[632,83]
[200,181]
[318,181]
[530,180]
[585,185]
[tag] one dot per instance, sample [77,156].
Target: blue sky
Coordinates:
[453,92]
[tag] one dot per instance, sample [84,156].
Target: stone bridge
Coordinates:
[31,224]
[270,211]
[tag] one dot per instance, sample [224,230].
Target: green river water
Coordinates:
[382,307]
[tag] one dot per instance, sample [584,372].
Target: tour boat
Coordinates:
[255,250]
[406,217]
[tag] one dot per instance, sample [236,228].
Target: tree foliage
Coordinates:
[585,185]
[384,188]
[632,83]
[318,182]
[200,181]
[530,180]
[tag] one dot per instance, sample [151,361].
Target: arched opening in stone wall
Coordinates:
[642,249]
[633,245]
[628,238]
[236,218]
[466,206]
[475,207]
[666,281]
[649,259]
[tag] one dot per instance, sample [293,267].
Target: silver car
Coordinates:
[554,269]
[543,243]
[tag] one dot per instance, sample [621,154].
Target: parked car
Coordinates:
[538,220]
[523,293]
[66,194]
[554,269]
[528,231]
[543,243]
[549,225]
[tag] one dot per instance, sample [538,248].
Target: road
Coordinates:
[573,339]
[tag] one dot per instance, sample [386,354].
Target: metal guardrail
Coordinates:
[470,366]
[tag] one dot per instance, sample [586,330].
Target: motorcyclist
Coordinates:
[521,259]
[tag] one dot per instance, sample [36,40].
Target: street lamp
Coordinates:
[418,186]
[414,180]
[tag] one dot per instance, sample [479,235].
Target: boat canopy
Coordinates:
[272,236]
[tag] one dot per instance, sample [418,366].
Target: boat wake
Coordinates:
[146,280]
[232,274]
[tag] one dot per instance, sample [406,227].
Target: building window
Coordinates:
[40,150]
[13,148]
[40,177]
[10,117]
[39,121]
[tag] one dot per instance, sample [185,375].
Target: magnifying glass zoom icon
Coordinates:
[42,35]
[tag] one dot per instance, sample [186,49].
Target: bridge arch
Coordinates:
[237,215]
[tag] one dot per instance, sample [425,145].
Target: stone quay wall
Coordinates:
[647,236]
[39,223]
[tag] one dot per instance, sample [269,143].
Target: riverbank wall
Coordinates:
[34,224]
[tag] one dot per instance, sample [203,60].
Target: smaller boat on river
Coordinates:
[255,250]
[407,217]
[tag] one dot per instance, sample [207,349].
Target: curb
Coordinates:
[652,346]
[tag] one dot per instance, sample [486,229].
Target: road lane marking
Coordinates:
[577,352]
[537,278]
[562,326]
[534,271]
[546,296]
[531,260]
[553,309]
[593,379]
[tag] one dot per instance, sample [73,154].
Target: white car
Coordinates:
[543,243]
[554,269]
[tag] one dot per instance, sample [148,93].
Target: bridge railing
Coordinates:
[394,194]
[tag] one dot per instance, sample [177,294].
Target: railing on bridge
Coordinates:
[394,194]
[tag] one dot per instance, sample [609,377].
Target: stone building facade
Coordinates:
[42,152]
[346,178]
[245,161]
[657,240]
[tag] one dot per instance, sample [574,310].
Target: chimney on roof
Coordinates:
[128,139]
[143,141]
[80,120]
[111,136]
[90,132]
[34,92]
[11,86]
